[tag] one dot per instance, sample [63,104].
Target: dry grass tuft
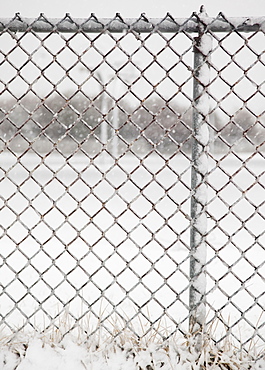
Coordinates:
[149,351]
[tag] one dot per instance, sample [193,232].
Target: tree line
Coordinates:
[80,120]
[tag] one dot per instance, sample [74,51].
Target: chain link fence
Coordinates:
[132,176]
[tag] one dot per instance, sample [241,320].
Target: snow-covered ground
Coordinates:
[63,250]
[69,355]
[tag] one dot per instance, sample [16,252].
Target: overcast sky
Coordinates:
[130,8]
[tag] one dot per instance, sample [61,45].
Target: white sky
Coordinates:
[130,8]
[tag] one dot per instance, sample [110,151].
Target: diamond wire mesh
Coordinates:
[96,133]
[236,185]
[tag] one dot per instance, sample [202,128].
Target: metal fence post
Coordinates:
[199,171]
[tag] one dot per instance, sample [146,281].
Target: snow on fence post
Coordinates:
[199,169]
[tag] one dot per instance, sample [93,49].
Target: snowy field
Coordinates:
[62,248]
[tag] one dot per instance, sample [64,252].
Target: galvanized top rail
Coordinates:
[142,24]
